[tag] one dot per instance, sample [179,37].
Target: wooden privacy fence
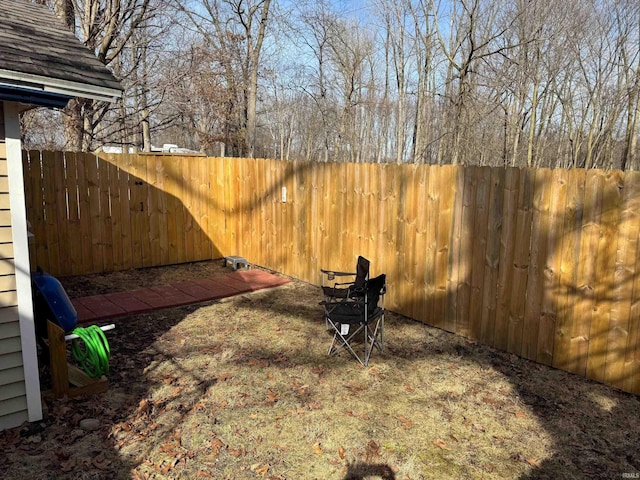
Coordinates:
[541,263]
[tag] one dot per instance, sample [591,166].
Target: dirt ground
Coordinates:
[243,388]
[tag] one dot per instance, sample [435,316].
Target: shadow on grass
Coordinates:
[595,430]
[361,471]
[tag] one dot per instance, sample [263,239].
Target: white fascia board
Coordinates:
[21,259]
[64,87]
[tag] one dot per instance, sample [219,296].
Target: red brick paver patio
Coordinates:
[101,307]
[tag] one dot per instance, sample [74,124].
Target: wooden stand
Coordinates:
[68,380]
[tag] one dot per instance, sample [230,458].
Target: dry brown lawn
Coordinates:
[243,389]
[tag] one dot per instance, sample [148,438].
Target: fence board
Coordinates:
[38,219]
[565,344]
[60,211]
[392,244]
[422,268]
[197,189]
[116,220]
[607,247]
[455,259]
[631,373]
[625,259]
[152,210]
[465,269]
[507,246]
[217,229]
[537,263]
[526,186]
[162,207]
[446,181]
[587,276]
[187,210]
[49,195]
[407,240]
[491,271]
[552,268]
[445,227]
[105,216]
[76,259]
[84,213]
[125,211]
[271,186]
[479,239]
[301,213]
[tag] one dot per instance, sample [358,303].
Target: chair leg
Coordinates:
[340,342]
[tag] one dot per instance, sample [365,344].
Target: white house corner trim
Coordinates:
[21,259]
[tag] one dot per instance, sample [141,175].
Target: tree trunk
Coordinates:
[252,90]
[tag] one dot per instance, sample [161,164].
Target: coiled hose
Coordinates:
[94,357]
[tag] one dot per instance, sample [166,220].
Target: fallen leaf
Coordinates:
[225,376]
[491,401]
[317,448]
[479,427]
[520,414]
[101,462]
[272,397]
[342,452]
[136,475]
[217,445]
[262,471]
[373,450]
[144,407]
[301,389]
[408,388]
[237,452]
[441,444]
[407,423]
[68,465]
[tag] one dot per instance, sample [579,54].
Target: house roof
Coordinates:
[41,58]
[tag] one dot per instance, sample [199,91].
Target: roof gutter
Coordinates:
[11,93]
[39,83]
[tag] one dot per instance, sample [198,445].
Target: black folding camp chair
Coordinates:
[340,290]
[354,320]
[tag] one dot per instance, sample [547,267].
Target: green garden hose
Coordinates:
[94,358]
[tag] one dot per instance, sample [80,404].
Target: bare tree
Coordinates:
[236,30]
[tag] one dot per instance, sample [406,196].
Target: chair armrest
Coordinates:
[343,283]
[336,273]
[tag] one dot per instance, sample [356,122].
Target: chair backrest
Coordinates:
[362,272]
[375,288]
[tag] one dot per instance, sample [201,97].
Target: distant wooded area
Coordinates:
[535,83]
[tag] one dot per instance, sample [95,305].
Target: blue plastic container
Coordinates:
[52,302]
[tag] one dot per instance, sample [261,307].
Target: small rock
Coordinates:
[90,424]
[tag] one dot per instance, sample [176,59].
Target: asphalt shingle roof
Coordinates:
[34,41]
